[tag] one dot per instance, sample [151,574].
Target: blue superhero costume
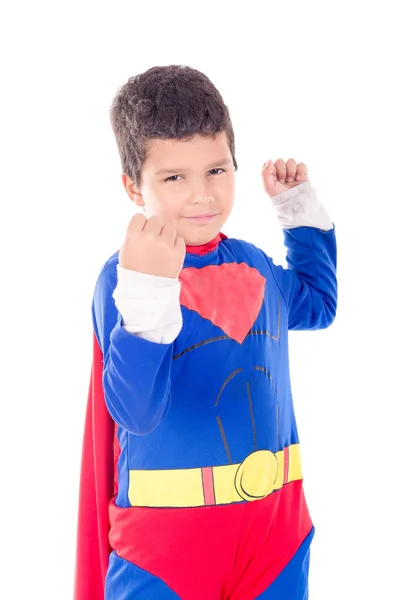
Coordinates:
[207,501]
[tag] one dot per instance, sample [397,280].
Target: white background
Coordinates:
[311,80]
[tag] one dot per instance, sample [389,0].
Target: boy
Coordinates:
[191,363]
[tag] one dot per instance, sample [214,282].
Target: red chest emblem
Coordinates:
[229,295]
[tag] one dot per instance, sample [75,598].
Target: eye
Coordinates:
[171,178]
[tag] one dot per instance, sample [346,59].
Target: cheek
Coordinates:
[174,200]
[229,197]
[168,205]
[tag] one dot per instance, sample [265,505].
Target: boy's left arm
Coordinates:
[309,284]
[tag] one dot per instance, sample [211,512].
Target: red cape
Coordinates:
[97,487]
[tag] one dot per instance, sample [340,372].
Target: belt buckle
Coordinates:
[256,476]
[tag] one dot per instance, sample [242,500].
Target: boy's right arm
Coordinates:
[136,333]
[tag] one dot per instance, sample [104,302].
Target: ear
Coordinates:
[132,190]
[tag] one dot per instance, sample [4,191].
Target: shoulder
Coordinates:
[104,313]
[244,250]
[107,278]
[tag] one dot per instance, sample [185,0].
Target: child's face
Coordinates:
[197,179]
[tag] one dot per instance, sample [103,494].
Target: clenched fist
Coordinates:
[151,248]
[280,176]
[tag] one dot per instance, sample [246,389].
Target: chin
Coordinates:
[201,238]
[198,234]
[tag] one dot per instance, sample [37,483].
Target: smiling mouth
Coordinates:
[204,219]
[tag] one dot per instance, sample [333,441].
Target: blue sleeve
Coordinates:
[309,284]
[136,372]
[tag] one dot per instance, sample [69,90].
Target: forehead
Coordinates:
[185,154]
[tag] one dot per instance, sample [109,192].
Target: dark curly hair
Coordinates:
[167,102]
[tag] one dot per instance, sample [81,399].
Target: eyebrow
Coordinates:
[224,162]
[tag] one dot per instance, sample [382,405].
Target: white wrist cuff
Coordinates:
[301,207]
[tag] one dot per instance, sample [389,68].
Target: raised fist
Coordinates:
[282,176]
[152,248]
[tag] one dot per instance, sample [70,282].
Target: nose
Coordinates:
[202,200]
[201,193]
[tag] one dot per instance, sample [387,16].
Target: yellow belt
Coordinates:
[261,473]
